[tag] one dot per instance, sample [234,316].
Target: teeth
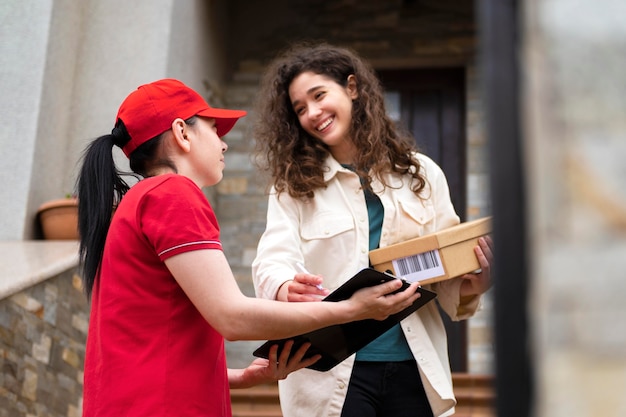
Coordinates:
[326,123]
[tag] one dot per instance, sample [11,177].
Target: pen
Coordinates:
[300,268]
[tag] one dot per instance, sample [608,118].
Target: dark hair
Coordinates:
[100,187]
[293,158]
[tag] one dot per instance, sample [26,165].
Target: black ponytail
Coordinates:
[100,188]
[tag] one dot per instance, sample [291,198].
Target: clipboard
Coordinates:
[336,343]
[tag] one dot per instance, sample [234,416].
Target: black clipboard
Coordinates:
[336,343]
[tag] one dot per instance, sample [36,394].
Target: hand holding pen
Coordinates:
[301,269]
[305,286]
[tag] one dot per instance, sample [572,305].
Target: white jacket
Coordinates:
[330,235]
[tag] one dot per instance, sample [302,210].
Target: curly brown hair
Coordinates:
[293,158]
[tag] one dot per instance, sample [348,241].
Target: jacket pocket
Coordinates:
[422,212]
[326,225]
[417,218]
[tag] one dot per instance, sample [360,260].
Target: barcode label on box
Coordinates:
[418,267]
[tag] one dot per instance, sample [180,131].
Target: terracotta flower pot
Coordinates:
[59,219]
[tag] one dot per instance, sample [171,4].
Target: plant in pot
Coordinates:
[59,218]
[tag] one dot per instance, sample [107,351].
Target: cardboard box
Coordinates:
[446,254]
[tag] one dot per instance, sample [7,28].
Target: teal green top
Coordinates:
[391,346]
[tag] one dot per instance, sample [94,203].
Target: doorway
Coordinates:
[430,104]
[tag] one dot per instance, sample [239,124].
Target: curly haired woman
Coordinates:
[346,180]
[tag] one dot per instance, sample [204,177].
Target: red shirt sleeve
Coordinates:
[176,217]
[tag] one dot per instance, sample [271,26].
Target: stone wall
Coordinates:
[42,348]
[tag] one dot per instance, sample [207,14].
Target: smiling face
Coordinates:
[324,110]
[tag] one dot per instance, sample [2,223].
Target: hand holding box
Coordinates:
[443,255]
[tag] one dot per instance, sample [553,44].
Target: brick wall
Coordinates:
[42,348]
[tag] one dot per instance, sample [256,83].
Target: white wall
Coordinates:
[23,42]
[65,67]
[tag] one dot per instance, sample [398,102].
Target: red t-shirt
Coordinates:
[149,350]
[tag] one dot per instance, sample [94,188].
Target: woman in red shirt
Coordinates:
[163,297]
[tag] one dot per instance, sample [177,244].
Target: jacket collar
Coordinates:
[331,168]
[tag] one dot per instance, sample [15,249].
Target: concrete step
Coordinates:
[475,395]
[259,401]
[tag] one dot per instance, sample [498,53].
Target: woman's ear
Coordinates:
[179,131]
[351,88]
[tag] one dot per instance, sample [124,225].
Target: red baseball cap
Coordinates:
[150,110]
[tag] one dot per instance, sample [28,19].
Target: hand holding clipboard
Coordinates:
[336,343]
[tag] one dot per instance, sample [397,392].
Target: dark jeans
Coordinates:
[386,389]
